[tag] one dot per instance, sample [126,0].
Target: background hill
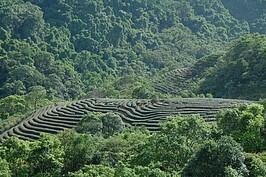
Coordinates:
[142,51]
[65,50]
[133,113]
[237,73]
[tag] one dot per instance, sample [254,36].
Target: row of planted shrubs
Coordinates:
[54,118]
[185,146]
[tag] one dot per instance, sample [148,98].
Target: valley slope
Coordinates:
[148,113]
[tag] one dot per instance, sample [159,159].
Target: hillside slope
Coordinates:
[237,73]
[149,113]
[73,47]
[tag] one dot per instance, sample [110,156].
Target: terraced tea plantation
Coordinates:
[169,82]
[60,116]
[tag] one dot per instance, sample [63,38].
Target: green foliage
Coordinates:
[11,105]
[79,149]
[177,141]
[185,146]
[94,170]
[112,123]
[64,50]
[114,150]
[221,158]
[230,172]
[143,92]
[121,170]
[239,73]
[245,124]
[37,93]
[4,168]
[255,165]
[24,20]
[75,48]
[4,34]
[46,156]
[100,124]
[122,147]
[90,123]
[132,86]
[244,10]
[16,153]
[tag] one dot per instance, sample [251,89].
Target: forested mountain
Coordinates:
[74,47]
[237,73]
[240,72]
[251,11]
[145,51]
[66,50]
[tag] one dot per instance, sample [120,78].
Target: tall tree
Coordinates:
[37,93]
[4,168]
[46,156]
[79,149]
[172,147]
[213,159]
[16,154]
[245,123]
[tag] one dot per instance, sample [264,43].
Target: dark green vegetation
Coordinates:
[251,11]
[100,124]
[64,50]
[54,51]
[240,72]
[149,113]
[185,146]
[78,48]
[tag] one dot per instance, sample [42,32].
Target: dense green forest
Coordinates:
[239,72]
[186,146]
[62,50]
[75,49]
